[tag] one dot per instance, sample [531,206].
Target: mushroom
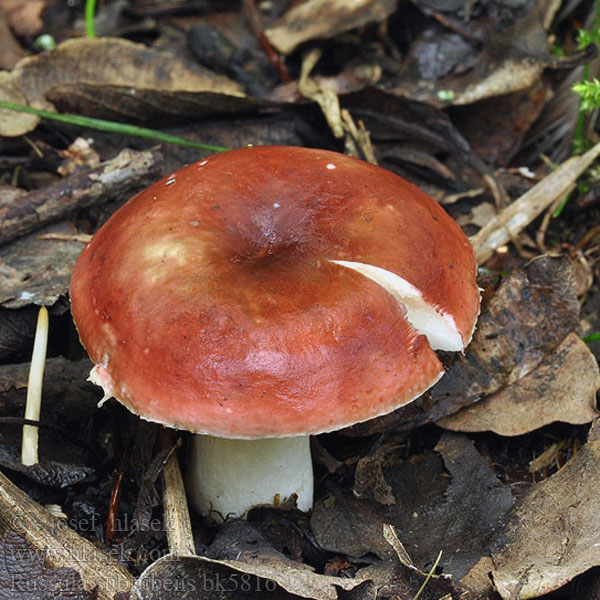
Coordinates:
[267,294]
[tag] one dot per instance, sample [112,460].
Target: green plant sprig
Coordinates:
[586,89]
[589,94]
[111,127]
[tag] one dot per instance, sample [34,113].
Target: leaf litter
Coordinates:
[444,93]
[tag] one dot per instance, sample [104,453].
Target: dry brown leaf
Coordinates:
[125,69]
[204,574]
[13,123]
[511,76]
[562,388]
[324,19]
[553,535]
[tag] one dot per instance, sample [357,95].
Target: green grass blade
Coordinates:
[90,12]
[111,127]
[594,337]
[561,207]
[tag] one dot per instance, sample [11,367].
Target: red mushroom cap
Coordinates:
[211,301]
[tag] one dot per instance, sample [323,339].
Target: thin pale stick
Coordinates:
[177,516]
[29,448]
[515,217]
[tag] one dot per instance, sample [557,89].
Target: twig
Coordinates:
[177,516]
[513,219]
[115,498]
[119,177]
[275,59]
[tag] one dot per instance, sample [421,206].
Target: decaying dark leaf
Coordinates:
[23,575]
[350,526]
[369,480]
[554,532]
[498,132]
[17,327]
[475,505]
[513,52]
[561,388]
[38,271]
[531,313]
[69,403]
[61,462]
[240,540]
[458,515]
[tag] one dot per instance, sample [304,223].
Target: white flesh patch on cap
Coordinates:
[439,328]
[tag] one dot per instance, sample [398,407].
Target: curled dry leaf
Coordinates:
[561,388]
[324,19]
[146,81]
[553,535]
[216,577]
[511,76]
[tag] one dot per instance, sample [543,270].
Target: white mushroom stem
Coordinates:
[29,447]
[228,477]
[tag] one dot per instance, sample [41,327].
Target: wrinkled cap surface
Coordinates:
[212,301]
